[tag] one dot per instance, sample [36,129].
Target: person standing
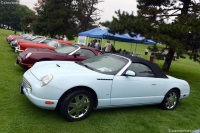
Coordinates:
[146,52]
[56,37]
[93,43]
[65,38]
[108,47]
[90,43]
[98,45]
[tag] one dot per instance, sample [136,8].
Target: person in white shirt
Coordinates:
[98,45]
[108,47]
[65,38]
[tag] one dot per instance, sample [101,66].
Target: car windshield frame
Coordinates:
[29,37]
[66,49]
[107,64]
[37,39]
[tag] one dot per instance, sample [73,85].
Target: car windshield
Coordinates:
[53,43]
[37,39]
[29,37]
[107,63]
[66,49]
[33,37]
[46,41]
[25,35]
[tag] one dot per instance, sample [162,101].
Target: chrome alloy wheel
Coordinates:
[171,100]
[78,106]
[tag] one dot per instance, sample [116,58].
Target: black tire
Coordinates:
[171,100]
[77,105]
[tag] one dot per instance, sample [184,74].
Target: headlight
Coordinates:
[46,79]
[28,55]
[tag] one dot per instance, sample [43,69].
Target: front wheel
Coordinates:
[171,100]
[77,106]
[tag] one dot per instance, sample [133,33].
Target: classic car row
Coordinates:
[76,87]
[33,49]
[21,43]
[29,57]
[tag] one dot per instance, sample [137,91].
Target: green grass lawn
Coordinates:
[18,114]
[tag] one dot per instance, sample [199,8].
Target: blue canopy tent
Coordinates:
[102,32]
[86,33]
[149,42]
[144,41]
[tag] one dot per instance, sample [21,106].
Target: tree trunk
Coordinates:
[168,60]
[186,4]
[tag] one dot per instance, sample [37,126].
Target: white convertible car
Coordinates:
[106,81]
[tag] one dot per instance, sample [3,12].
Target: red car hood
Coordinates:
[21,41]
[34,50]
[36,45]
[27,42]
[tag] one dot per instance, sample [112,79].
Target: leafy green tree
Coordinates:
[172,22]
[27,21]
[65,17]
[12,14]
[6,10]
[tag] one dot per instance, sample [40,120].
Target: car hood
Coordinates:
[34,50]
[28,42]
[41,69]
[21,41]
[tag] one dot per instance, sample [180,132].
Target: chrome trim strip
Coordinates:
[43,39]
[125,67]
[75,50]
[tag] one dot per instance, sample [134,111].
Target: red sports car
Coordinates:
[29,57]
[35,39]
[46,44]
[13,37]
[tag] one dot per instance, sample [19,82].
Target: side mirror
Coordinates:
[130,73]
[77,54]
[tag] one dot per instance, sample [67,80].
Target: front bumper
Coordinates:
[23,65]
[27,88]
[13,45]
[17,50]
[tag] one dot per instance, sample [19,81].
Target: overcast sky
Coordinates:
[108,7]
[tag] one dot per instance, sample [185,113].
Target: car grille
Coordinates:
[26,84]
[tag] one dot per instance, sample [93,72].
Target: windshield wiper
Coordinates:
[80,63]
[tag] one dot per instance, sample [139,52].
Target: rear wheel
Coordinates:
[171,100]
[77,106]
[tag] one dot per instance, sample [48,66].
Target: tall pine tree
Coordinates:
[172,22]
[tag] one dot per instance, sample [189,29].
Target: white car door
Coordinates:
[135,90]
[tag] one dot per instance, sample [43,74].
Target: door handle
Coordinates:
[154,84]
